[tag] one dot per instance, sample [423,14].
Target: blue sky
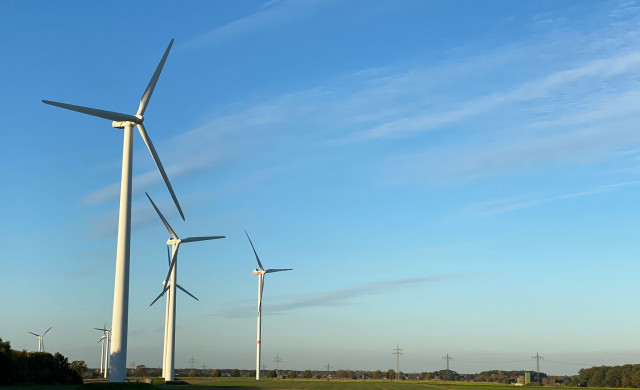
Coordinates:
[457,177]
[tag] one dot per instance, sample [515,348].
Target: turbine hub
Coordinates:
[139,116]
[173,241]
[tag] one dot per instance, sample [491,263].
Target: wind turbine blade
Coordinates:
[114,116]
[104,330]
[34,334]
[173,262]
[168,255]
[159,296]
[192,239]
[156,159]
[191,295]
[277,270]
[166,224]
[144,101]
[254,251]
[47,331]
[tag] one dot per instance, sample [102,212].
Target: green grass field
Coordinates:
[266,383]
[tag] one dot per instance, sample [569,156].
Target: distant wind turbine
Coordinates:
[121,289]
[170,284]
[260,272]
[104,358]
[40,341]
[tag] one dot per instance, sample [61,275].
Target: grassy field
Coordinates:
[319,384]
[266,383]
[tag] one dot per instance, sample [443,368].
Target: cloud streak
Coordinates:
[501,206]
[271,14]
[339,297]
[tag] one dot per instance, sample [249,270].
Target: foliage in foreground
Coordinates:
[35,368]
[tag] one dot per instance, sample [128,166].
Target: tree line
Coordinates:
[41,368]
[608,376]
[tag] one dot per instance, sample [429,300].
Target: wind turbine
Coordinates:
[40,342]
[121,289]
[261,272]
[104,358]
[170,284]
[102,354]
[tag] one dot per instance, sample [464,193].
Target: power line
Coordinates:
[538,357]
[397,351]
[447,358]
[277,361]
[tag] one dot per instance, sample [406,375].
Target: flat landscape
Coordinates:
[313,384]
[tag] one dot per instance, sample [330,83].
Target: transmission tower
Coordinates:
[538,357]
[192,360]
[133,368]
[328,367]
[397,351]
[277,361]
[447,358]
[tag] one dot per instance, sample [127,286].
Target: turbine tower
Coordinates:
[40,337]
[170,284]
[106,343]
[260,272]
[120,318]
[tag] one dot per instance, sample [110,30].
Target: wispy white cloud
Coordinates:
[574,109]
[270,14]
[601,69]
[501,206]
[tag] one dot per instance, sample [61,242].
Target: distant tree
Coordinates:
[342,374]
[428,376]
[154,372]
[377,374]
[307,374]
[140,371]
[391,374]
[235,373]
[78,366]
[292,374]
[6,363]
[272,374]
[193,373]
[216,373]
[251,374]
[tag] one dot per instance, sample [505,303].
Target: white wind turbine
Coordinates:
[104,357]
[102,340]
[261,272]
[170,284]
[40,337]
[121,290]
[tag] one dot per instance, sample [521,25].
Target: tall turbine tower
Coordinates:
[120,319]
[170,284]
[40,337]
[260,272]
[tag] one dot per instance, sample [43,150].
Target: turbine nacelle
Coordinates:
[258,272]
[174,241]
